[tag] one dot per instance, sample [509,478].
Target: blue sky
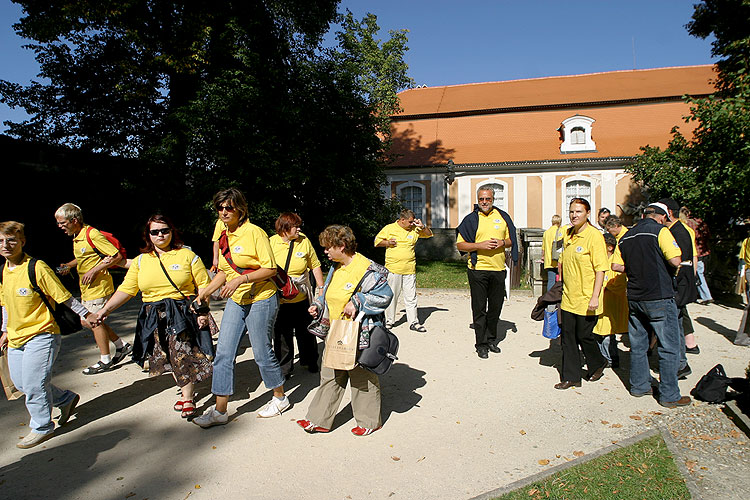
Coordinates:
[453,42]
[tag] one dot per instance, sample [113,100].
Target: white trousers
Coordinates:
[406,283]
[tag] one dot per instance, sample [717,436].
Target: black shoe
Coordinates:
[313,368]
[483,354]
[684,372]
[693,350]
[493,348]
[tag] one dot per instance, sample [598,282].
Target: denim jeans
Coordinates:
[608,348]
[551,277]
[662,316]
[30,369]
[703,292]
[259,319]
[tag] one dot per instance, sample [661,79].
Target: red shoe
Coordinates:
[311,427]
[188,408]
[363,431]
[178,406]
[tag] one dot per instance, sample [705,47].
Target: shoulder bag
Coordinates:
[68,321]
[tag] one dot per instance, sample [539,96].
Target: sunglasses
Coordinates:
[228,208]
[157,232]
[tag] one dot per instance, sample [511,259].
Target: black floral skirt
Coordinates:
[180,355]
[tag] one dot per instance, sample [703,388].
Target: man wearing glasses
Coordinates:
[93,255]
[485,234]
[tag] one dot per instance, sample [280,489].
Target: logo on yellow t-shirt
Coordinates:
[83,250]
[175,267]
[579,249]
[237,249]
[299,254]
[348,286]
[24,292]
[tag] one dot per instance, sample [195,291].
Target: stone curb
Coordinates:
[740,419]
[692,488]
[680,461]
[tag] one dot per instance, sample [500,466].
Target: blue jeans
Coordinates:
[662,316]
[551,277]
[703,291]
[259,319]
[30,369]
[608,348]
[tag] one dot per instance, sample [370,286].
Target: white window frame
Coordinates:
[577,121]
[564,195]
[504,204]
[423,193]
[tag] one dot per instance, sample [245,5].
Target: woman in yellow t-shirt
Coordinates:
[246,264]
[341,299]
[32,335]
[583,264]
[168,276]
[289,244]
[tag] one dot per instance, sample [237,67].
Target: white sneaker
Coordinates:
[210,418]
[32,439]
[274,407]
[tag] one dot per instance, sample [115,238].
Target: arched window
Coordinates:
[577,189]
[578,136]
[499,191]
[412,197]
[575,133]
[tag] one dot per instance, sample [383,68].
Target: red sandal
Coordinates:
[178,405]
[188,408]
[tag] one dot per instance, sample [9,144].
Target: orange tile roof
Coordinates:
[636,114]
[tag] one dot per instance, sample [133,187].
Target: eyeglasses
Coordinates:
[161,230]
[486,199]
[10,242]
[228,208]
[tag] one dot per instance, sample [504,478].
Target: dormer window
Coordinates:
[575,133]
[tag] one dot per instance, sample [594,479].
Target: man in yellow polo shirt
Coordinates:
[552,240]
[94,279]
[614,226]
[484,234]
[399,240]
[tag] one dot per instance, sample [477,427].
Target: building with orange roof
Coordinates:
[536,142]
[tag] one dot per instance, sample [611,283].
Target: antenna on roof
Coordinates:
[633,52]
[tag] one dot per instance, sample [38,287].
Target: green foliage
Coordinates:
[436,274]
[220,94]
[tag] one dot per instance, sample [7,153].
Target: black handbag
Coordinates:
[712,387]
[379,356]
[687,286]
[68,321]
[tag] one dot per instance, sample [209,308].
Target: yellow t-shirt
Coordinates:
[745,251]
[667,244]
[145,274]
[400,259]
[250,249]
[341,287]
[491,225]
[622,232]
[583,255]
[303,259]
[614,317]
[218,228]
[87,259]
[27,314]
[549,236]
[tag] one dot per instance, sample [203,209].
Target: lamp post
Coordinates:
[450,177]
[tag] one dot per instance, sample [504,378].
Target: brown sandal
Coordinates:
[188,408]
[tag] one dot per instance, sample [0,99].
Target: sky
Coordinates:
[453,42]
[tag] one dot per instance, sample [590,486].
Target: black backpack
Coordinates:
[712,387]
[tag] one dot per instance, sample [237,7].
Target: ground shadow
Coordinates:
[503,327]
[423,313]
[551,356]
[399,389]
[30,476]
[716,327]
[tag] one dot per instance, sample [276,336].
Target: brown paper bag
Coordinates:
[10,390]
[342,342]
[740,285]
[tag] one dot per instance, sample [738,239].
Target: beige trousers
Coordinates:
[406,286]
[365,397]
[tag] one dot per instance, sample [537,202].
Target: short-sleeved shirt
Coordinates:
[551,235]
[218,228]
[584,254]
[27,314]
[745,252]
[145,274]
[400,259]
[491,225]
[250,249]
[622,232]
[303,258]
[87,259]
[345,280]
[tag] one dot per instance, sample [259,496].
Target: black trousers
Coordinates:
[292,321]
[487,297]
[579,330]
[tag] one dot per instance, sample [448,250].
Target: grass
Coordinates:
[644,470]
[436,274]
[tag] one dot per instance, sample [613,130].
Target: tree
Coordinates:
[710,171]
[209,95]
